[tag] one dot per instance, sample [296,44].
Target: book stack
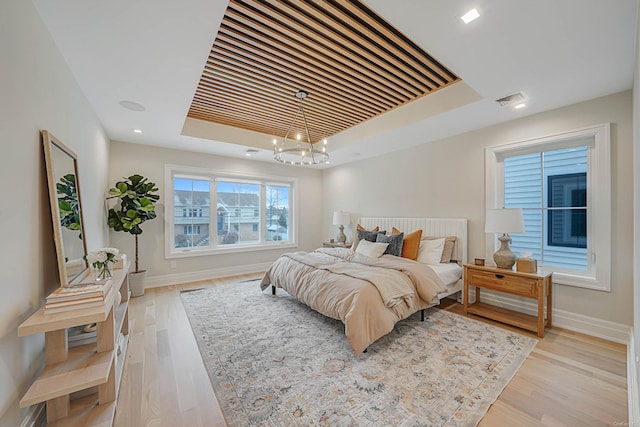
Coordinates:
[77,297]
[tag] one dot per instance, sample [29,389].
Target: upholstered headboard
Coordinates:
[435,227]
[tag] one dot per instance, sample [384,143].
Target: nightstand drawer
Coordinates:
[512,284]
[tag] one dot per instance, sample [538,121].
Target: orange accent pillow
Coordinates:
[410,243]
[359,227]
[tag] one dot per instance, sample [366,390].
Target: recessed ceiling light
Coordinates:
[470,16]
[137,131]
[250,151]
[519,106]
[133,106]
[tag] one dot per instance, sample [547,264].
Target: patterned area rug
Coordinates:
[274,362]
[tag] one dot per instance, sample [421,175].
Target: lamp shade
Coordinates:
[504,221]
[341,218]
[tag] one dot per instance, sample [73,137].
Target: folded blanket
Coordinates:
[394,285]
[425,279]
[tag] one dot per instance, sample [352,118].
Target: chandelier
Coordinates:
[297,151]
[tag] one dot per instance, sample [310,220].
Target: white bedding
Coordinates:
[449,273]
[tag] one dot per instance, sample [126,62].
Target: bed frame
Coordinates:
[435,227]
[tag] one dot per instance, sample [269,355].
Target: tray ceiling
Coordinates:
[353,63]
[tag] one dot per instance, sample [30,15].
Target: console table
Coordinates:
[70,370]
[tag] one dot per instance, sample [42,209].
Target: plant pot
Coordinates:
[136,283]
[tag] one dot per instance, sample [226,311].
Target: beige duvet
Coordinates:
[369,295]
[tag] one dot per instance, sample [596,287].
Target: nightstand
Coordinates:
[335,245]
[526,285]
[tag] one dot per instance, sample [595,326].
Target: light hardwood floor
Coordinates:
[569,379]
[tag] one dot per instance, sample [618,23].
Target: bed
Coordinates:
[371,294]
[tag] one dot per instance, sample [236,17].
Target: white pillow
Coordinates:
[371,249]
[430,251]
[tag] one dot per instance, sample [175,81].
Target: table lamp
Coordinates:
[504,221]
[340,218]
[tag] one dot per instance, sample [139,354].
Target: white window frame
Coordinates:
[170,171]
[598,276]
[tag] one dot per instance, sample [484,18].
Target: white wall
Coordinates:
[636,209]
[38,92]
[446,179]
[128,159]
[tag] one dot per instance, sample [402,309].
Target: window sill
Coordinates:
[188,253]
[585,282]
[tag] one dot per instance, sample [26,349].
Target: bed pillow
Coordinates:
[369,236]
[430,251]
[357,237]
[449,243]
[410,243]
[371,249]
[395,243]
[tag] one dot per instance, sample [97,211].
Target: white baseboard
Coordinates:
[632,382]
[195,276]
[36,417]
[595,327]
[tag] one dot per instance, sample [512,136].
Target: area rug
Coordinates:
[273,361]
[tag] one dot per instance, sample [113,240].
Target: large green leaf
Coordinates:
[68,203]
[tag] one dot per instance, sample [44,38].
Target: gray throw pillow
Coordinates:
[369,235]
[395,243]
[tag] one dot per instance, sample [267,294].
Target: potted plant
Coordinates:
[137,205]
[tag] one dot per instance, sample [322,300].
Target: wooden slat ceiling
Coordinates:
[352,62]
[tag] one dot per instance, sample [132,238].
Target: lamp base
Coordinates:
[503,257]
[342,238]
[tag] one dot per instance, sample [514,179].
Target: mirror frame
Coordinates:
[51,143]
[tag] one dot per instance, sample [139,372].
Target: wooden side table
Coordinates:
[526,285]
[335,245]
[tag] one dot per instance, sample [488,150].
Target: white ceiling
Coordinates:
[557,52]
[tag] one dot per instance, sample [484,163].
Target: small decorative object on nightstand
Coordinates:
[526,264]
[340,218]
[334,244]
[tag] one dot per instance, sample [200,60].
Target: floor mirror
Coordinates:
[66,210]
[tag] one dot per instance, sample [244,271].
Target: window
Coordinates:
[567,213]
[190,197]
[191,229]
[277,217]
[191,212]
[562,184]
[539,184]
[241,197]
[252,212]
